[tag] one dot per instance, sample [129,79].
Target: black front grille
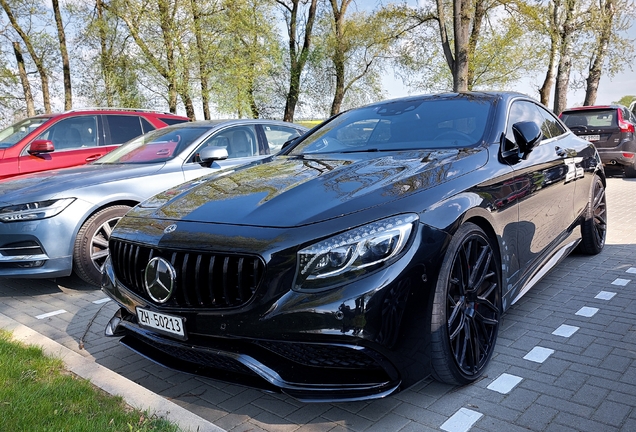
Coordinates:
[322,355]
[204,280]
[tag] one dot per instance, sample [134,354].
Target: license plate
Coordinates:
[591,137]
[164,323]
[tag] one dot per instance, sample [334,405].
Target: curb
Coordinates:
[109,381]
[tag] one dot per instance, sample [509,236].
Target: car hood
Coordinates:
[287,191]
[49,184]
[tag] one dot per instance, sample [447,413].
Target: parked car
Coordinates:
[52,141]
[379,248]
[611,129]
[57,221]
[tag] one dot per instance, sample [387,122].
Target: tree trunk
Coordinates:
[594,76]
[66,66]
[26,86]
[565,60]
[546,89]
[297,60]
[201,54]
[104,55]
[480,13]
[461,25]
[165,19]
[39,63]
[338,57]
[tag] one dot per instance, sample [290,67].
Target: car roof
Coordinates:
[103,110]
[593,107]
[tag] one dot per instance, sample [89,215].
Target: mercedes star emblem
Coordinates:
[159,278]
[170,228]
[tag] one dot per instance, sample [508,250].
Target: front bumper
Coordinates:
[364,340]
[36,249]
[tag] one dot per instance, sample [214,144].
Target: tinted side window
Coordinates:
[147,126]
[72,133]
[550,127]
[522,111]
[278,135]
[122,128]
[171,120]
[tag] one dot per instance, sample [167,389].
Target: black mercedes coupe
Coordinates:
[379,248]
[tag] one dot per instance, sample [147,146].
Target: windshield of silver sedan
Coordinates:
[157,146]
[426,123]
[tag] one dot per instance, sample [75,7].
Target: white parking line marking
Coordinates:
[565,330]
[50,314]
[539,354]
[104,300]
[461,421]
[504,383]
[587,311]
[605,295]
[621,282]
[631,270]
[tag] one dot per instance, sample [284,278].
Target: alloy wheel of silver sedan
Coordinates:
[91,244]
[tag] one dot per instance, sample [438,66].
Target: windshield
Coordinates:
[157,146]
[402,125]
[14,133]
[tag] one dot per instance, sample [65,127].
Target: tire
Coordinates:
[91,245]
[630,170]
[466,308]
[594,227]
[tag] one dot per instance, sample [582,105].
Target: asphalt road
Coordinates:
[564,361]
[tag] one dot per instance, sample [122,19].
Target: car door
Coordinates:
[75,140]
[546,201]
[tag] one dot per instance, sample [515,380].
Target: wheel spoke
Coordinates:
[100,241]
[100,254]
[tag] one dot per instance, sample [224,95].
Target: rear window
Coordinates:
[593,118]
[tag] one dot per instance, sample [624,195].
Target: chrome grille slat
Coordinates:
[204,279]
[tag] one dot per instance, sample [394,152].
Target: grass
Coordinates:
[37,394]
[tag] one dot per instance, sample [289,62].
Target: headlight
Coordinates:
[34,210]
[353,253]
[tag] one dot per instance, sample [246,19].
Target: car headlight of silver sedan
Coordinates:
[353,253]
[34,210]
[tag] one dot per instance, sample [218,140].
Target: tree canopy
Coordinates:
[298,58]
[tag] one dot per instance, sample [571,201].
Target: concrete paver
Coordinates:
[588,382]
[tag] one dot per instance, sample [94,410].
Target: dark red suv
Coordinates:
[611,129]
[52,141]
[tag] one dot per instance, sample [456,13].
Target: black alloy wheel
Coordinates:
[594,227]
[466,308]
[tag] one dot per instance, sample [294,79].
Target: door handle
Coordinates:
[93,157]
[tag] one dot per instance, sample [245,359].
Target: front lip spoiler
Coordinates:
[255,373]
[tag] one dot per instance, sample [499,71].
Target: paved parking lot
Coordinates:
[565,358]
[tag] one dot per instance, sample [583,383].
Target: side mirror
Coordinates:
[527,135]
[209,154]
[41,146]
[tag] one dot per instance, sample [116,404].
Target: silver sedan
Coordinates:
[57,222]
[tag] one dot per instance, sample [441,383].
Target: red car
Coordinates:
[52,141]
